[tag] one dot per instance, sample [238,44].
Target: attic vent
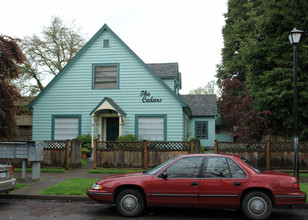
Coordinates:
[106,43]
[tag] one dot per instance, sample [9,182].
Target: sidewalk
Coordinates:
[49,179]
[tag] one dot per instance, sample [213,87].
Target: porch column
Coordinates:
[120,126]
[92,132]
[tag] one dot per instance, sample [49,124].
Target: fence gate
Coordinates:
[75,155]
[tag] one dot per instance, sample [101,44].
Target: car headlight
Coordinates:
[96,186]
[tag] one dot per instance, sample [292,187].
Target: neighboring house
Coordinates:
[24,119]
[221,132]
[108,91]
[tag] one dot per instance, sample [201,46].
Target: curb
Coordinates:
[65,198]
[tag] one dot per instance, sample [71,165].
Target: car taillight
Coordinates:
[12,170]
[295,185]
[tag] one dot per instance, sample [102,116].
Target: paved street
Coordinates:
[39,209]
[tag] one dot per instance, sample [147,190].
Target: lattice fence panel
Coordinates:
[240,147]
[54,145]
[168,146]
[115,146]
[281,146]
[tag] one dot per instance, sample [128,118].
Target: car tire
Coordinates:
[257,205]
[130,203]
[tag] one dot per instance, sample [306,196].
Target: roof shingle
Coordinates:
[201,105]
[164,69]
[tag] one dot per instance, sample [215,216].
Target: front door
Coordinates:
[112,129]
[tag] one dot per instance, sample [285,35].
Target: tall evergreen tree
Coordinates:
[266,55]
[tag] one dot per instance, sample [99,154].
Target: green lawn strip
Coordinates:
[114,171]
[20,185]
[304,188]
[303,175]
[74,186]
[43,170]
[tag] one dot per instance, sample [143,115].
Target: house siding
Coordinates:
[73,94]
[170,83]
[209,141]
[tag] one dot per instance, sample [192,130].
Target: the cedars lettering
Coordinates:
[147,98]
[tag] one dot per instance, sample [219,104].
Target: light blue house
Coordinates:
[108,91]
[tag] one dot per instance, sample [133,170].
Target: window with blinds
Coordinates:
[66,128]
[201,130]
[151,128]
[106,77]
[106,43]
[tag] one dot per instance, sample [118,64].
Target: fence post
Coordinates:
[216,147]
[67,155]
[95,153]
[192,146]
[268,156]
[145,155]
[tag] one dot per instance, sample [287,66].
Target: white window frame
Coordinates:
[71,124]
[145,132]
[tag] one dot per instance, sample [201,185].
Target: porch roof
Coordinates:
[112,103]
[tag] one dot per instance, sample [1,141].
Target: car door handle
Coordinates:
[194,183]
[237,184]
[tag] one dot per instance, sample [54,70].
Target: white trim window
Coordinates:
[106,77]
[151,128]
[66,128]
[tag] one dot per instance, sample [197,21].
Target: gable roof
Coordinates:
[164,70]
[112,103]
[201,105]
[88,44]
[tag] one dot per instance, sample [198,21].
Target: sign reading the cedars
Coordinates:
[147,98]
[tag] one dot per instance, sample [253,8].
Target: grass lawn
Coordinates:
[114,171]
[75,186]
[304,188]
[303,175]
[20,185]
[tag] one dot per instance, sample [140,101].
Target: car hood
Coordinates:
[123,175]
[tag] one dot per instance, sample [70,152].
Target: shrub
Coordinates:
[127,137]
[85,144]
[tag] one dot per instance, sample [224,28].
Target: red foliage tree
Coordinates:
[238,113]
[10,56]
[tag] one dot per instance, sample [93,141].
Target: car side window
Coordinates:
[184,168]
[222,167]
[236,170]
[217,167]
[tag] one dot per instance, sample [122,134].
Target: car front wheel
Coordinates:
[257,205]
[130,203]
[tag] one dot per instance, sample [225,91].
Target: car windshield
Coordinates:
[156,169]
[254,167]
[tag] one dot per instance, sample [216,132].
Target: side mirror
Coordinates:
[164,175]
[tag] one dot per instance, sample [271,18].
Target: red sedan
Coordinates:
[200,180]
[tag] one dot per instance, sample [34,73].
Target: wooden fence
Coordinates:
[62,153]
[66,154]
[141,154]
[267,155]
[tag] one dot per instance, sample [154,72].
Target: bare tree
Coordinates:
[47,54]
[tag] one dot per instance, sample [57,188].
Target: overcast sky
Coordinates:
[158,31]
